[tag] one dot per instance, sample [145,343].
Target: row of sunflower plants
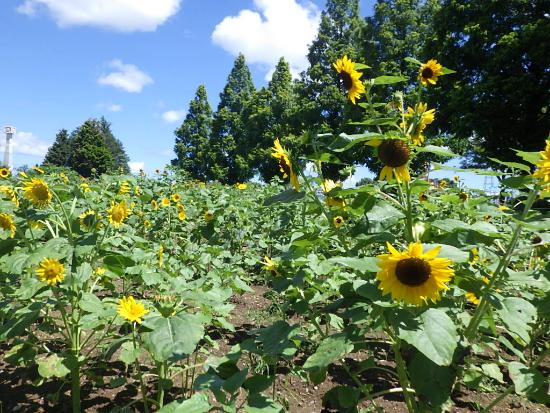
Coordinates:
[449,283]
[123,268]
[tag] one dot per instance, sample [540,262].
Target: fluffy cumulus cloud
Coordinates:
[26,143]
[276,28]
[173,116]
[111,107]
[119,15]
[135,167]
[125,76]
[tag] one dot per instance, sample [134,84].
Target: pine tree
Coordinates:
[120,157]
[90,155]
[193,149]
[232,158]
[270,114]
[58,154]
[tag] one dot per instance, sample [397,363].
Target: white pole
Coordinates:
[8,152]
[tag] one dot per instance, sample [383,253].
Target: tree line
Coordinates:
[497,99]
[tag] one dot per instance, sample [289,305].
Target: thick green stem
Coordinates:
[161,383]
[403,377]
[138,370]
[471,330]
[75,369]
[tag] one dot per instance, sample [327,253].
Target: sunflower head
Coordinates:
[429,72]
[416,121]
[338,221]
[176,198]
[463,196]
[50,271]
[270,265]
[38,192]
[4,173]
[131,310]
[146,223]
[118,213]
[285,165]
[208,216]
[182,215]
[85,187]
[413,276]
[543,167]
[88,219]
[394,155]
[7,224]
[165,202]
[124,188]
[423,197]
[154,205]
[471,297]
[242,186]
[10,193]
[349,78]
[37,169]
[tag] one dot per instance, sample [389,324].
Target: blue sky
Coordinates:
[136,62]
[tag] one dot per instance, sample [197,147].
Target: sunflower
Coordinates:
[118,213]
[37,169]
[6,224]
[471,297]
[131,310]
[165,202]
[10,193]
[85,187]
[87,219]
[161,255]
[182,215]
[328,185]
[147,223]
[338,221]
[350,78]
[395,155]
[422,197]
[124,188]
[429,72]
[413,276]
[420,117]
[463,196]
[242,186]
[543,166]
[270,265]
[208,216]
[280,153]
[154,205]
[50,271]
[176,198]
[38,192]
[4,173]
[180,207]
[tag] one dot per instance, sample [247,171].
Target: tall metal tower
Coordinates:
[8,152]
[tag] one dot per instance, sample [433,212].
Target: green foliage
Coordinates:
[58,154]
[232,162]
[194,152]
[89,152]
[498,99]
[120,157]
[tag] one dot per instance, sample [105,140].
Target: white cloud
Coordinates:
[111,107]
[172,116]
[278,28]
[126,77]
[119,15]
[135,167]
[26,143]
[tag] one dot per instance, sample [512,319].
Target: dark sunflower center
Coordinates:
[339,220]
[413,271]
[285,167]
[346,80]
[394,153]
[427,73]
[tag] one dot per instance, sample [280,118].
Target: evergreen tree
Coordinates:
[90,155]
[498,97]
[58,154]
[270,114]
[232,161]
[120,157]
[193,150]
[324,106]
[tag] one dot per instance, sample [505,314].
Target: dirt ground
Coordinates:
[252,310]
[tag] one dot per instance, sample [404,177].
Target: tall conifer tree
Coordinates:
[58,154]
[193,149]
[90,155]
[232,156]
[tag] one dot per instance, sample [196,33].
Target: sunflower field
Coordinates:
[160,294]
